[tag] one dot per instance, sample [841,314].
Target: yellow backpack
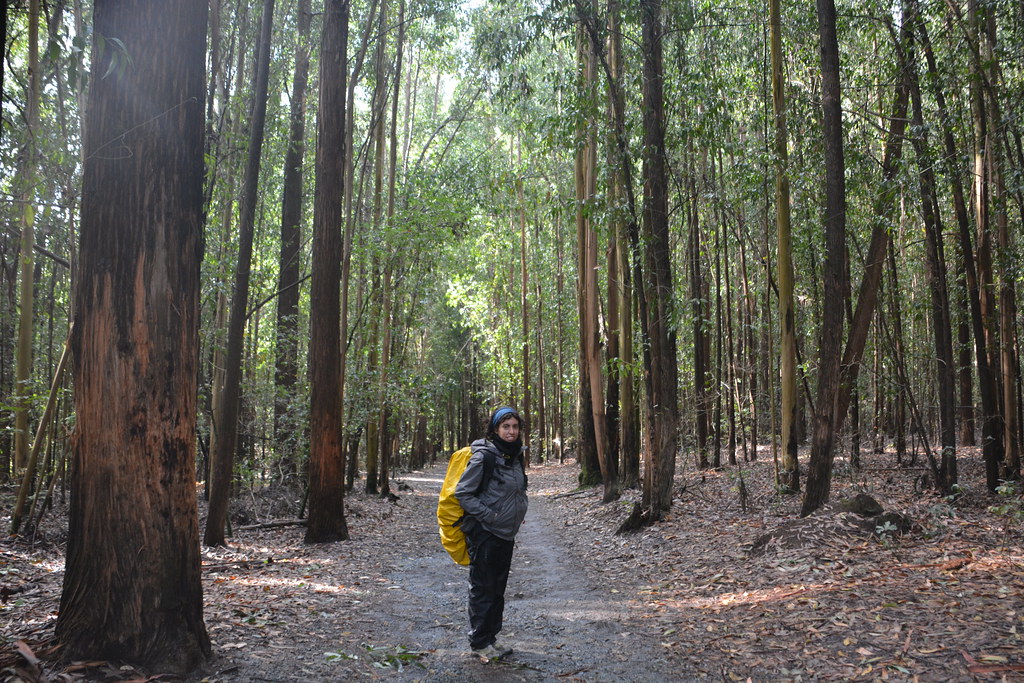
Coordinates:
[449,512]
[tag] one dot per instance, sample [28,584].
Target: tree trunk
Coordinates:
[387,428]
[831,412]
[589,323]
[383,399]
[967,272]
[1006,268]
[819,470]
[747,356]
[559,428]
[618,373]
[789,475]
[26,258]
[326,517]
[372,370]
[132,580]
[376,437]
[663,408]
[729,342]
[992,420]
[718,378]
[286,361]
[898,417]
[698,301]
[227,422]
[524,288]
[348,217]
[935,260]
[588,450]
[542,440]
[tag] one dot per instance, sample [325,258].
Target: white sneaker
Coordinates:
[502,648]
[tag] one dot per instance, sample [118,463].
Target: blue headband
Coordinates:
[502,413]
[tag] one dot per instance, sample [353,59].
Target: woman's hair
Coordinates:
[500,415]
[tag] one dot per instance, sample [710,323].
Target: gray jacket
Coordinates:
[501,507]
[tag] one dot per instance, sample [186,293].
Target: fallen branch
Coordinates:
[958,563]
[570,494]
[272,525]
[975,668]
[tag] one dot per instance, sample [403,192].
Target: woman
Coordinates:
[495,507]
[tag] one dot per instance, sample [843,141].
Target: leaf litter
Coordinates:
[822,598]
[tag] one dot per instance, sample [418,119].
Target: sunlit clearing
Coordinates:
[436,480]
[47,565]
[752,597]
[269,584]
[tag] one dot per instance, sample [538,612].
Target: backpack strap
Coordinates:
[489,461]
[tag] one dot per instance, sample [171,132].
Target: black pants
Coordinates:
[490,561]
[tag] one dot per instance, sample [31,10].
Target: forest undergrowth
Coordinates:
[824,598]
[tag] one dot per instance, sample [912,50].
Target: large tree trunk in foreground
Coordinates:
[326,519]
[132,581]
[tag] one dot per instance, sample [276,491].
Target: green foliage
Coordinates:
[1011,505]
[886,533]
[383,657]
[113,51]
[491,105]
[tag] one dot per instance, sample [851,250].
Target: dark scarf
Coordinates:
[509,450]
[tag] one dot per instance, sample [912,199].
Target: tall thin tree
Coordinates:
[326,517]
[819,471]
[935,260]
[662,370]
[223,451]
[26,258]
[590,432]
[789,475]
[286,370]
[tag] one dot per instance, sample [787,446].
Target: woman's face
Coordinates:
[508,430]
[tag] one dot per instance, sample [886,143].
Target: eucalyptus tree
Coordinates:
[969,266]
[945,470]
[286,360]
[132,579]
[789,479]
[26,259]
[592,408]
[326,518]
[227,420]
[662,382]
[819,472]
[987,69]
[834,392]
[623,406]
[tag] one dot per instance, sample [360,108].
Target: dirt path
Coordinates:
[683,600]
[560,625]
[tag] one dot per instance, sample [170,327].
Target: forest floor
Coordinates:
[825,598]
